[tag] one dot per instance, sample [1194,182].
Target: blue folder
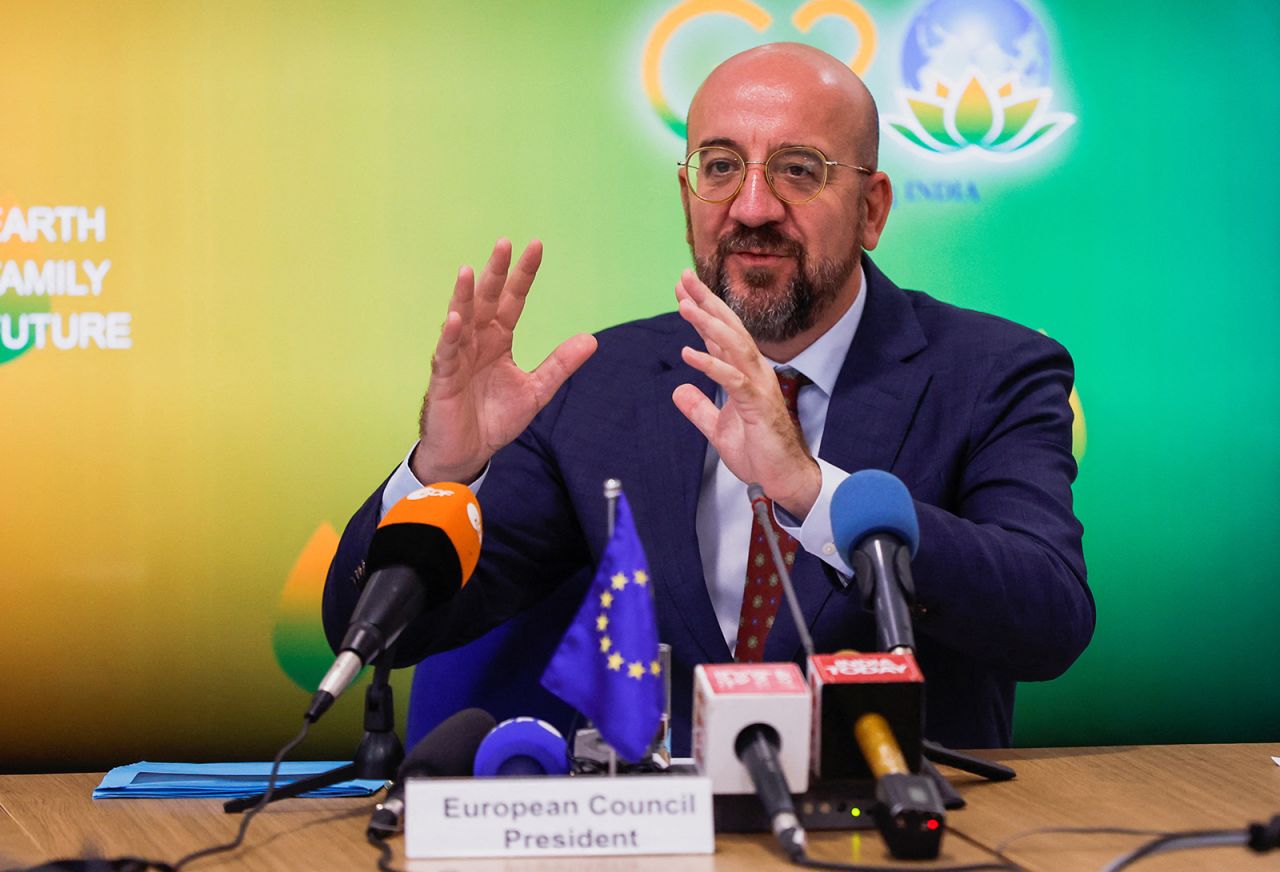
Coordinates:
[218,780]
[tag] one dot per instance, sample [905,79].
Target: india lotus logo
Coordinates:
[978,72]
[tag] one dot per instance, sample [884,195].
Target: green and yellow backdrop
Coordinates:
[228,231]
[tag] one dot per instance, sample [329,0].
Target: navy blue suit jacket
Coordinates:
[969,410]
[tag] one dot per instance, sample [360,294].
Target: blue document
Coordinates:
[217,780]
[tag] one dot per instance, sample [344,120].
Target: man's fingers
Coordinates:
[518,283]
[463,300]
[457,321]
[693,288]
[446,360]
[753,399]
[735,384]
[735,339]
[527,266]
[492,278]
[560,364]
[695,406]
[710,303]
[451,331]
[731,343]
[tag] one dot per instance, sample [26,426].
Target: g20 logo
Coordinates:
[804,18]
[975,73]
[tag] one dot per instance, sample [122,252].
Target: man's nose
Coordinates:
[756,204]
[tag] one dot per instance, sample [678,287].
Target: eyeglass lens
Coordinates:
[794,174]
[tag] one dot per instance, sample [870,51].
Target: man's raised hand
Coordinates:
[753,432]
[477,399]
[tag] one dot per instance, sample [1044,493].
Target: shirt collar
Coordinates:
[822,361]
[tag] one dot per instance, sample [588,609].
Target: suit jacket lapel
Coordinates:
[671,482]
[880,384]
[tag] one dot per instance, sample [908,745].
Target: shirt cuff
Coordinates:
[814,533]
[403,482]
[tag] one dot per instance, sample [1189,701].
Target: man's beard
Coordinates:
[787,311]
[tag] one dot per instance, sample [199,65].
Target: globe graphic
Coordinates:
[1001,39]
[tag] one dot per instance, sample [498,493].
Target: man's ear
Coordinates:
[878,201]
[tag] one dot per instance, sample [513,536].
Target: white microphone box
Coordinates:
[728,697]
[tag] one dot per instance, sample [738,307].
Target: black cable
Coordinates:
[1265,837]
[384,852]
[1258,837]
[805,860]
[1000,848]
[1111,831]
[249,815]
[1179,842]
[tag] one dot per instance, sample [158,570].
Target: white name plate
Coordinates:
[558,816]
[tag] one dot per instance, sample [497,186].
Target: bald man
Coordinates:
[782,200]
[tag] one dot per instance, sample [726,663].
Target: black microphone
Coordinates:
[422,553]
[447,751]
[757,747]
[873,521]
[909,811]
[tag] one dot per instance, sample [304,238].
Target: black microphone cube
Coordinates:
[848,685]
[910,816]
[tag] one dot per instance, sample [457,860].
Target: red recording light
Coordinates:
[932,824]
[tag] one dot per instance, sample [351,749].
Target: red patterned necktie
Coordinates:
[763,590]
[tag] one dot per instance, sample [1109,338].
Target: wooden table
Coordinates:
[1159,787]
[43,817]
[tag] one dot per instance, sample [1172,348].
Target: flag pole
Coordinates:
[612,489]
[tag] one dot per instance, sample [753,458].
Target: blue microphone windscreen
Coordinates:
[873,501]
[522,746]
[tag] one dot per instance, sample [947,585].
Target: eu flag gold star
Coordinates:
[619,581]
[635,670]
[655,668]
[605,644]
[641,577]
[602,623]
[606,599]
[615,661]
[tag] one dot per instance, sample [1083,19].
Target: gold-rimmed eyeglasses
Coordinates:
[795,174]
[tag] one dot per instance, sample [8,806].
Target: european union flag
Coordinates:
[607,664]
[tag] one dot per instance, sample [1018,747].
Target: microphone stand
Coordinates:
[378,756]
